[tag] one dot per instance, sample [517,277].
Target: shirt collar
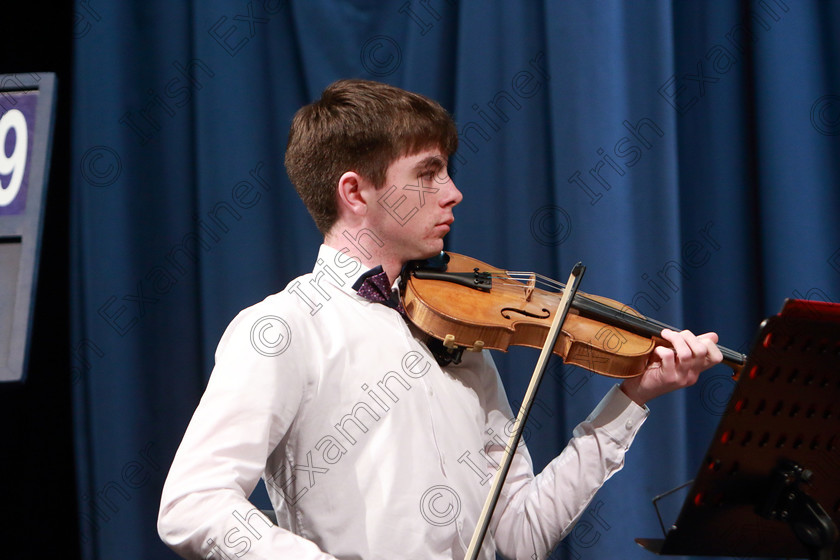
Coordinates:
[341,270]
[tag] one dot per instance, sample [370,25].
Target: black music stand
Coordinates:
[769,485]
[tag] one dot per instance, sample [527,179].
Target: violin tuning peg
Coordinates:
[449,341]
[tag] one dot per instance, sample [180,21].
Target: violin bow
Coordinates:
[530,394]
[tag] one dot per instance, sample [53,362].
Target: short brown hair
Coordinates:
[360,126]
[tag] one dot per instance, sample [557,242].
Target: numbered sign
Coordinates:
[16,128]
[27,103]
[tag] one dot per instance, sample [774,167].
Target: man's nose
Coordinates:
[451,195]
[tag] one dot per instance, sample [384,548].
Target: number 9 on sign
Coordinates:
[12,165]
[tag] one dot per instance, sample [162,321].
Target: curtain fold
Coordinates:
[685,152]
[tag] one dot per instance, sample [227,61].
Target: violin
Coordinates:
[468,305]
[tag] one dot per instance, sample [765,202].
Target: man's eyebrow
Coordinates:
[430,162]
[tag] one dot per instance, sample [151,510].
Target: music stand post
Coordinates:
[769,485]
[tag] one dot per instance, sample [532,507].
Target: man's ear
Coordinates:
[353,193]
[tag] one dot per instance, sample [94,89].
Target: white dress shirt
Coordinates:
[368,448]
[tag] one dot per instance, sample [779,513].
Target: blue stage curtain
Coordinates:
[685,151]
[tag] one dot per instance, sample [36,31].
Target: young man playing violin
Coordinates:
[330,395]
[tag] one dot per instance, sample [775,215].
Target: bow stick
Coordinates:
[522,417]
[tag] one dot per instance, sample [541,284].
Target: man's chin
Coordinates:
[435,249]
[428,253]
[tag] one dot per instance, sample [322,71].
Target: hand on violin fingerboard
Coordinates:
[674,367]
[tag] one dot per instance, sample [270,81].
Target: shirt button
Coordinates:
[628,425]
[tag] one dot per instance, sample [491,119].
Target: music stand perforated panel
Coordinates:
[785,407]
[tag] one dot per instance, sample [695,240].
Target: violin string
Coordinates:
[521,278]
[525,277]
[539,277]
[503,281]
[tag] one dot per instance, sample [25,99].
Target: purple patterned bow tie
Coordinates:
[373,285]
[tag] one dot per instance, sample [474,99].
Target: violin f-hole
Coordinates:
[546,312]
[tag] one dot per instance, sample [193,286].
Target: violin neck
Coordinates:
[642,326]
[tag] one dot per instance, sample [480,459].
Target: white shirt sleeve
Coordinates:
[248,406]
[535,512]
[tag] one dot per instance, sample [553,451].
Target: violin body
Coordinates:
[504,310]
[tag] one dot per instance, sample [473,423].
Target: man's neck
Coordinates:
[366,247]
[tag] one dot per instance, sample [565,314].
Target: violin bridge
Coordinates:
[529,287]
